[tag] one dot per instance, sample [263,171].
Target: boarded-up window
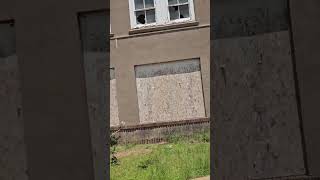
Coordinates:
[170,91]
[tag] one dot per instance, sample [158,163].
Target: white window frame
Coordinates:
[162,14]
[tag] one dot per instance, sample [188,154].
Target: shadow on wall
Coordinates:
[12,146]
[255,109]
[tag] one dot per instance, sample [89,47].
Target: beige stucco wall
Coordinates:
[120,18]
[127,51]
[114,114]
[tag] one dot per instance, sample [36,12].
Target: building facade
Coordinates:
[159,61]
[266,124]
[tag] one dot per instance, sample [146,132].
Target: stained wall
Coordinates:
[305,31]
[12,146]
[256,132]
[56,125]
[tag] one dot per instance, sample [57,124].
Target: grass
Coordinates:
[180,159]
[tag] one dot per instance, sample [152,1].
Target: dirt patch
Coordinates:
[203,178]
[163,142]
[136,151]
[133,152]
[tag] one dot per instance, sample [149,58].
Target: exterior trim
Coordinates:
[174,29]
[162,15]
[163,27]
[160,124]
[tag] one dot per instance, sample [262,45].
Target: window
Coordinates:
[179,9]
[144,13]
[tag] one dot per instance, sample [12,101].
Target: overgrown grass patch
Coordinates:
[180,159]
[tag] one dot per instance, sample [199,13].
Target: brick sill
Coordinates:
[163,27]
[161,124]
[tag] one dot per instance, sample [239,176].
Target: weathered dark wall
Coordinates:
[306,37]
[93,27]
[55,113]
[256,109]
[233,18]
[12,146]
[256,129]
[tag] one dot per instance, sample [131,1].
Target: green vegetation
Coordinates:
[180,159]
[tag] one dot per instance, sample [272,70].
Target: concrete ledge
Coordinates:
[163,27]
[159,124]
[169,30]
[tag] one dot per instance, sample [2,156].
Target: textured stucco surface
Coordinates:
[114,113]
[12,146]
[256,131]
[160,47]
[248,17]
[128,50]
[170,91]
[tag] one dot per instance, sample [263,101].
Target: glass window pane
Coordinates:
[138,4]
[184,11]
[140,15]
[174,12]
[7,41]
[183,1]
[172,2]
[149,3]
[151,17]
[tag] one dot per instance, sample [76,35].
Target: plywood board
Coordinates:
[170,91]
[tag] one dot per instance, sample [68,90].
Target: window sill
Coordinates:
[111,35]
[163,27]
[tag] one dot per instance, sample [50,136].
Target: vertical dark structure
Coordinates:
[12,146]
[95,52]
[54,111]
[264,91]
[305,32]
